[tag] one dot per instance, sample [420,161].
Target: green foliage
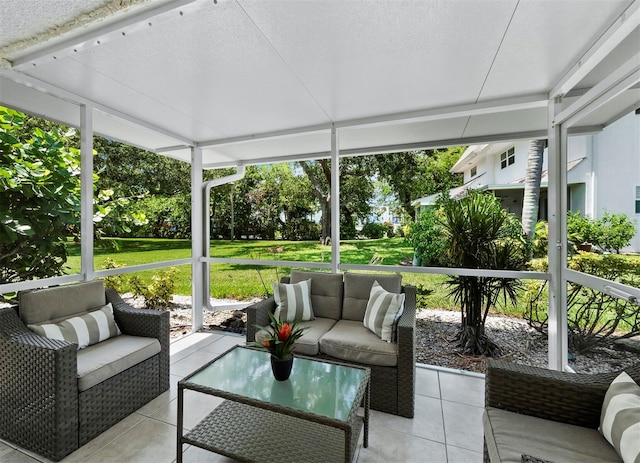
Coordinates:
[426,235]
[374,230]
[164,217]
[40,191]
[390,229]
[415,174]
[541,239]
[611,233]
[582,229]
[159,293]
[617,231]
[480,234]
[116,282]
[594,318]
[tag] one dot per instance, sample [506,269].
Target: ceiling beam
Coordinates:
[613,36]
[65,95]
[111,29]
[422,115]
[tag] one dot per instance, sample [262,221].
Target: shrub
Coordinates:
[541,239]
[158,294]
[426,235]
[616,231]
[390,229]
[116,282]
[594,318]
[611,233]
[374,230]
[582,229]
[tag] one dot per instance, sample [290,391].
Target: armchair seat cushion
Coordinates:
[509,435]
[351,341]
[108,358]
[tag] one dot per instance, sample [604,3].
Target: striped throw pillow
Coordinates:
[84,330]
[293,301]
[383,311]
[620,417]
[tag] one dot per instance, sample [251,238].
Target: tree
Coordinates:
[40,191]
[414,174]
[356,192]
[532,187]
[480,234]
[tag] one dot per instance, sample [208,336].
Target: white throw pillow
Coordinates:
[383,311]
[293,301]
[84,330]
[620,417]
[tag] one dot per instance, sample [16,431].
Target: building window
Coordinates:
[638,200]
[474,171]
[507,158]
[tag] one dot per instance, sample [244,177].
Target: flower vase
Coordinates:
[281,368]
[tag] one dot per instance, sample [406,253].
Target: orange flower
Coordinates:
[266,343]
[284,332]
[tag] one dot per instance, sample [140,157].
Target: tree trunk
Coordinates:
[321,195]
[532,187]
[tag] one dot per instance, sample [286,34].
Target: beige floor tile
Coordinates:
[224,344]
[117,431]
[389,446]
[196,407]
[463,425]
[427,424]
[427,383]
[462,388]
[15,456]
[198,455]
[150,441]
[191,363]
[460,455]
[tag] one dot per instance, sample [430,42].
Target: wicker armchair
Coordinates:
[41,408]
[569,398]
[392,387]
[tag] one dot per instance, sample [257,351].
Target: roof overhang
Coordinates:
[250,82]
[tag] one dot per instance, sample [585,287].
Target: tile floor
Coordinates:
[447,427]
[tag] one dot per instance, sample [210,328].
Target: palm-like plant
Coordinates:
[480,234]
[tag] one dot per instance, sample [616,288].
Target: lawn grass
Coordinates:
[243,282]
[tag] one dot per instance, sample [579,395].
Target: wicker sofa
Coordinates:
[535,414]
[49,403]
[337,333]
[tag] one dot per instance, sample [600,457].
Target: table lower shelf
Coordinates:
[253,434]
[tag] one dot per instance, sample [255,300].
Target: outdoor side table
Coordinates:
[313,416]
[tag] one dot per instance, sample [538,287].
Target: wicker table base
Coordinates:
[312,417]
[247,433]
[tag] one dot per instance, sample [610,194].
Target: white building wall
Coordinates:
[616,167]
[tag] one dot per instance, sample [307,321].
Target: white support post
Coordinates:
[86,192]
[197,241]
[335,202]
[557,154]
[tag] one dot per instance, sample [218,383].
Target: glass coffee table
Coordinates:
[313,416]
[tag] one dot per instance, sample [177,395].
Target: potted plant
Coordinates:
[278,338]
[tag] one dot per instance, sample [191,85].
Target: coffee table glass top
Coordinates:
[317,387]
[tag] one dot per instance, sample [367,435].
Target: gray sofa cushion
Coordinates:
[357,288]
[309,343]
[510,435]
[350,340]
[54,304]
[108,358]
[326,292]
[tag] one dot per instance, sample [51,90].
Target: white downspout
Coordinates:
[86,192]
[335,201]
[207,227]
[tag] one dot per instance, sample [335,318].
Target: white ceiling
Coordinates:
[253,81]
